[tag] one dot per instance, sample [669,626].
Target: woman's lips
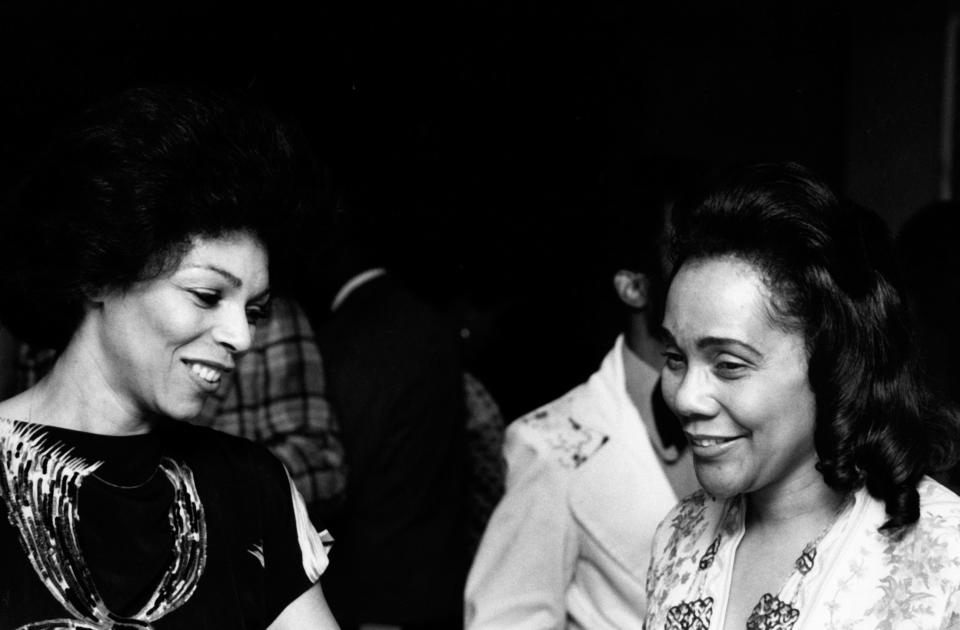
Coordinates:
[709,446]
[205,374]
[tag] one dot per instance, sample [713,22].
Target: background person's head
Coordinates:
[635,243]
[124,195]
[633,246]
[822,274]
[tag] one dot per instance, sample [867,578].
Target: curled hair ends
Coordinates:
[829,266]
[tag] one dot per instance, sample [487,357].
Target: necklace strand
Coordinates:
[134,486]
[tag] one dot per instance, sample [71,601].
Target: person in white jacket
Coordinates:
[589,477]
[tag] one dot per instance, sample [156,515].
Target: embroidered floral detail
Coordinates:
[805,561]
[921,557]
[677,565]
[574,442]
[951,618]
[688,520]
[870,581]
[733,518]
[707,561]
[693,615]
[772,613]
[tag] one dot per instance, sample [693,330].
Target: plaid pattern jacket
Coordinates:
[276,397]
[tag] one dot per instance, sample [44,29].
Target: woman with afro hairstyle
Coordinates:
[142,248]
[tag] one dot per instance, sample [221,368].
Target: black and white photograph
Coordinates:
[479,315]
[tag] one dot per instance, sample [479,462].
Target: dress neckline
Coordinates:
[124,461]
[41,475]
[779,609]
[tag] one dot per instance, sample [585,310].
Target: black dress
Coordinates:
[183,527]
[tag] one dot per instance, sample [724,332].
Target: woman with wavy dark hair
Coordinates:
[791,364]
[140,247]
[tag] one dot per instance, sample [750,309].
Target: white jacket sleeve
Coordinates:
[524,565]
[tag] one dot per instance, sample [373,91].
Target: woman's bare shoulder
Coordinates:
[17,407]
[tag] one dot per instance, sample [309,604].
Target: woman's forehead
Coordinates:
[240,257]
[719,298]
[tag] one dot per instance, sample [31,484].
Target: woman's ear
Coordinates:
[633,288]
[96,295]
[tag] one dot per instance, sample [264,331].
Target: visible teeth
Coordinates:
[709,441]
[206,373]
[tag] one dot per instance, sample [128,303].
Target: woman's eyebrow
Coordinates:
[705,343]
[232,279]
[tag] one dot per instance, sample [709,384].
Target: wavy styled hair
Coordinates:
[830,269]
[123,193]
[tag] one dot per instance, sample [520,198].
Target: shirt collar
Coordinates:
[355,283]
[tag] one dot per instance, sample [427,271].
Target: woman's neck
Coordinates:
[806,498]
[76,394]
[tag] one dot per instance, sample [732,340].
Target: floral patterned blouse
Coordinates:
[853,578]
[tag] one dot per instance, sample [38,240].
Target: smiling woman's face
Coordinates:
[167,343]
[738,383]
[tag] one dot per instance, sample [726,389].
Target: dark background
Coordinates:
[488,133]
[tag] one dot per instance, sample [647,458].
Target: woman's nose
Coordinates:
[692,395]
[232,329]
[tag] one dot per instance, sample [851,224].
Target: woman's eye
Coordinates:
[674,360]
[729,369]
[256,314]
[206,298]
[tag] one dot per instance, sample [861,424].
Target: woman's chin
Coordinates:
[184,410]
[720,486]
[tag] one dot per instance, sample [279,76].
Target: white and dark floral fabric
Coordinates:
[853,578]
